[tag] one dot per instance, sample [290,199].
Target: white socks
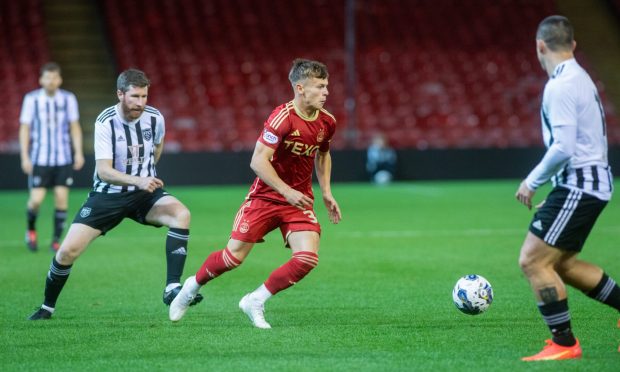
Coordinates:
[261,294]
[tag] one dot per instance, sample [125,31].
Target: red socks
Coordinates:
[291,272]
[215,265]
[283,277]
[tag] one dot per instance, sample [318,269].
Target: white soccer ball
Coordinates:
[472,294]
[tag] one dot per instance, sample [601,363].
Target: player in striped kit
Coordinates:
[129,139]
[574,132]
[50,138]
[294,140]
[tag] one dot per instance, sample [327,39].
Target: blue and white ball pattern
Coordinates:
[472,294]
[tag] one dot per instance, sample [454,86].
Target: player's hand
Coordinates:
[332,209]
[298,199]
[524,195]
[27,166]
[78,162]
[149,184]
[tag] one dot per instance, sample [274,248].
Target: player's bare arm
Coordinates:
[76,140]
[24,143]
[323,166]
[159,148]
[261,165]
[107,173]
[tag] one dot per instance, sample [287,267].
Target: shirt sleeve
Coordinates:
[160,130]
[27,113]
[562,106]
[274,130]
[103,141]
[562,113]
[556,157]
[73,112]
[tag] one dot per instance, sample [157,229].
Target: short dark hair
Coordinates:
[132,77]
[304,69]
[557,32]
[49,67]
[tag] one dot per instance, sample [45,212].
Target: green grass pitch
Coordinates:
[380,299]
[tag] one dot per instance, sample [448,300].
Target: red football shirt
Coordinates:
[295,139]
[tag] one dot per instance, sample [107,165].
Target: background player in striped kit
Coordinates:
[51,149]
[573,124]
[294,140]
[129,139]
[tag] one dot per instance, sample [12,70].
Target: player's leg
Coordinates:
[35,199]
[78,238]
[61,204]
[169,211]
[590,279]
[216,264]
[301,232]
[538,261]
[305,247]
[253,220]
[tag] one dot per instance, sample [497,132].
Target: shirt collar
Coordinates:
[560,67]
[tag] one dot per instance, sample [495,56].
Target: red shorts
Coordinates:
[257,217]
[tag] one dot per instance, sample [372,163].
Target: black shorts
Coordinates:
[104,211]
[47,177]
[566,218]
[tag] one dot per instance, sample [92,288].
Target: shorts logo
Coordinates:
[270,137]
[69,181]
[146,133]
[320,136]
[537,225]
[36,180]
[85,212]
[244,227]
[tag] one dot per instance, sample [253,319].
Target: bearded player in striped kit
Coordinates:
[295,139]
[129,139]
[574,132]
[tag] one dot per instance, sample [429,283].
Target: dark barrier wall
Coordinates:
[348,166]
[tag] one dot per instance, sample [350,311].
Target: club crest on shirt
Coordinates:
[270,137]
[85,212]
[320,136]
[244,227]
[147,134]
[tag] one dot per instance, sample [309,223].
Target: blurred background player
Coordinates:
[295,140]
[129,139]
[380,160]
[574,132]
[50,140]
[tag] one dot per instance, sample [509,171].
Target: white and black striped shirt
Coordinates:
[130,145]
[50,121]
[573,125]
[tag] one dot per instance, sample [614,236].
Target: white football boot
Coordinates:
[255,310]
[184,299]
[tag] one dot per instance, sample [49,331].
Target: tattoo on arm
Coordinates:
[548,295]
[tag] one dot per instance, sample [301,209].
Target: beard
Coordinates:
[131,113]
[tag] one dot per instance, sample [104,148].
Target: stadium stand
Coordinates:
[431,73]
[21,55]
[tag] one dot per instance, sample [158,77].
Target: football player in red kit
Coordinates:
[294,141]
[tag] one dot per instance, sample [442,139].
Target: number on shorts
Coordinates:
[311,216]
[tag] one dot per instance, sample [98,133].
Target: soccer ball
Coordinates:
[472,294]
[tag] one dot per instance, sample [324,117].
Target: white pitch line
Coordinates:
[462,232]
